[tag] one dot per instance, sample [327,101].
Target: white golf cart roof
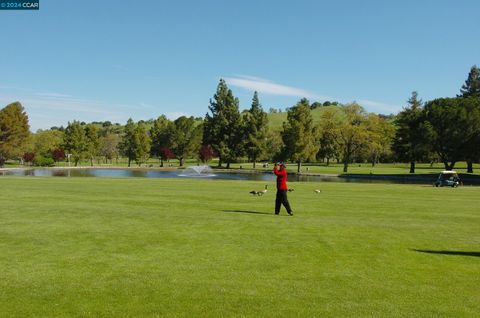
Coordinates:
[449,172]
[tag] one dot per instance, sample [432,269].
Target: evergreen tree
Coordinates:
[14,132]
[75,142]
[471,88]
[414,102]
[300,134]
[223,129]
[256,128]
[412,141]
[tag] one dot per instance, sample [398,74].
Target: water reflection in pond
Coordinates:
[148,173]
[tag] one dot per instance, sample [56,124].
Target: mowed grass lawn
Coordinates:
[98,247]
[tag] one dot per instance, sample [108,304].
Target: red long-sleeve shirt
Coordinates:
[281,178]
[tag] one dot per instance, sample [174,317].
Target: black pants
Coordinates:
[282,199]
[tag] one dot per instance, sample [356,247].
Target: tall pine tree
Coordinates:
[223,128]
[471,88]
[256,128]
[412,141]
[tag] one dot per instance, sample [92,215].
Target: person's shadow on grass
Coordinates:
[461,253]
[245,211]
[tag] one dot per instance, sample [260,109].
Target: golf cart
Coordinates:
[447,179]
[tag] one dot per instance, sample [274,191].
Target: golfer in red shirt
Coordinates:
[280,171]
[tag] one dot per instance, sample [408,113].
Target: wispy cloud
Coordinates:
[269,87]
[47,109]
[71,105]
[54,95]
[265,86]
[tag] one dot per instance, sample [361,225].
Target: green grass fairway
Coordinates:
[95,247]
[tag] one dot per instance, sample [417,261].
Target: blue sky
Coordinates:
[111,60]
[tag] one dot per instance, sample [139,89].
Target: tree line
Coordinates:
[444,129]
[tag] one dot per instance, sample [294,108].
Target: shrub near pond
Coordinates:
[44,161]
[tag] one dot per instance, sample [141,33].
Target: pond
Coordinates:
[152,173]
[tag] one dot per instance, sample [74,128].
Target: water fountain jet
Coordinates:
[197,171]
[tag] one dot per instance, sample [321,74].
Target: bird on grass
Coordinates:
[317,190]
[290,190]
[260,192]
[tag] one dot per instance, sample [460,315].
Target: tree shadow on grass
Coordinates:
[461,253]
[246,211]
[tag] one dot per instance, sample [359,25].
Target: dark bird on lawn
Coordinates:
[290,190]
[261,192]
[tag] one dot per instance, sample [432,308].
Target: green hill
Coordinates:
[275,120]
